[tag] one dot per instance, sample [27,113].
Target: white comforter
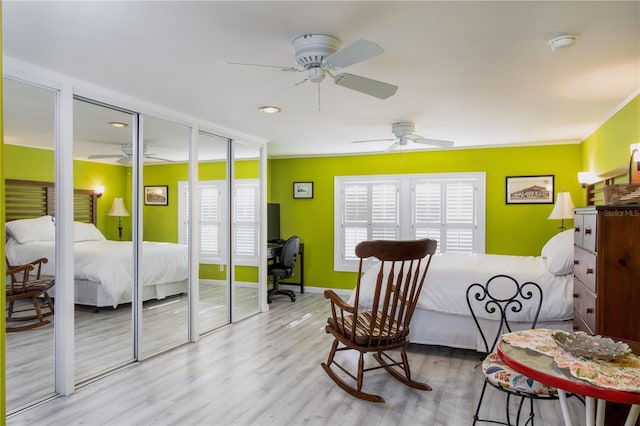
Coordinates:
[110,263]
[450,275]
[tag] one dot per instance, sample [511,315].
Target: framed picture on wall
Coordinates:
[302,189]
[156,195]
[529,189]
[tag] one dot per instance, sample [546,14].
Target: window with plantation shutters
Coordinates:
[370,213]
[445,210]
[446,207]
[246,221]
[213,211]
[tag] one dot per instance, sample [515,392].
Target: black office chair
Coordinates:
[284,267]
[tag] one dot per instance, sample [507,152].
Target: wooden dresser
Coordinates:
[607,271]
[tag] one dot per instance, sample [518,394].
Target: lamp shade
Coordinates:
[118,209]
[563,208]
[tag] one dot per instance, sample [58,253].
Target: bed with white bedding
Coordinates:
[442,315]
[103,268]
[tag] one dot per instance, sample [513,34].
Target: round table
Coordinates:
[542,368]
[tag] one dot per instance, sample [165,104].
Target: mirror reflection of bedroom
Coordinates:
[115,224]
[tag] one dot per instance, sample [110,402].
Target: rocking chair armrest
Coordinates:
[38,263]
[17,269]
[337,300]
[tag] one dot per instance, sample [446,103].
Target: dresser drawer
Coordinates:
[578,222]
[584,268]
[584,225]
[584,304]
[589,232]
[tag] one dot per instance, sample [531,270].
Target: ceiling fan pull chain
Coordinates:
[318,96]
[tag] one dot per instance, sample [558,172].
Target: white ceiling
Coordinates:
[478,73]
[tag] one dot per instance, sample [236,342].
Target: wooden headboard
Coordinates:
[595,191]
[26,199]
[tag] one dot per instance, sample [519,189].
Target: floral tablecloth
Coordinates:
[622,374]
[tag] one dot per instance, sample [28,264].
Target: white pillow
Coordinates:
[86,232]
[558,252]
[30,230]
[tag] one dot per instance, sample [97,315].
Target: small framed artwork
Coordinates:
[529,189]
[302,189]
[156,195]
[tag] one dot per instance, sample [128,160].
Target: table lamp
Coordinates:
[118,209]
[563,209]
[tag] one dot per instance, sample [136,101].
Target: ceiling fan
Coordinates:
[404,132]
[320,54]
[127,155]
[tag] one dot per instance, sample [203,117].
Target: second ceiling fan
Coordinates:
[320,55]
[404,133]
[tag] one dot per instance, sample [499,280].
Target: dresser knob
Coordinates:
[587,231]
[589,270]
[577,229]
[576,262]
[576,295]
[589,310]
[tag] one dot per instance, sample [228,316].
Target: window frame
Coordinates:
[223,231]
[406,197]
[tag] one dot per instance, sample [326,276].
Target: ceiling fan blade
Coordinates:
[365,85]
[374,140]
[393,146]
[288,69]
[435,142]
[358,51]
[124,160]
[159,159]
[96,156]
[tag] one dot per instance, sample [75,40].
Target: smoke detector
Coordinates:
[563,40]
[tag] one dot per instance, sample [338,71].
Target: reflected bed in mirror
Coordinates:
[103,268]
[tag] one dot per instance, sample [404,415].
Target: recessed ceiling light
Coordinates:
[117,124]
[267,109]
[562,41]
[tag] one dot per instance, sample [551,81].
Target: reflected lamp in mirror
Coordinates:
[99,190]
[563,209]
[118,209]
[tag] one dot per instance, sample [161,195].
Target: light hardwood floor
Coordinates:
[265,370]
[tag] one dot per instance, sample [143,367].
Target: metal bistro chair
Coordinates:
[503,297]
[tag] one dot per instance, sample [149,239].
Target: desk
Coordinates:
[273,251]
[543,368]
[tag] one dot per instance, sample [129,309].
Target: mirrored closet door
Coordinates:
[104,140]
[213,193]
[28,164]
[246,242]
[164,272]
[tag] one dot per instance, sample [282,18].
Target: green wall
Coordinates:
[510,229]
[608,147]
[3,405]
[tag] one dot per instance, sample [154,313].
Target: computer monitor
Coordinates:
[273,222]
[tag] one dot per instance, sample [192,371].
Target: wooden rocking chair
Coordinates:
[22,285]
[384,325]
